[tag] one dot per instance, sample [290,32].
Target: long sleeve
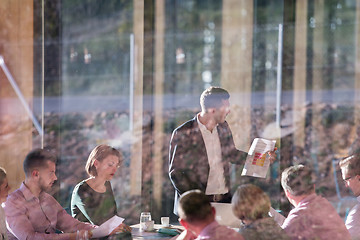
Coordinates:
[67,223]
[39,218]
[188,165]
[20,225]
[78,210]
[315,218]
[229,152]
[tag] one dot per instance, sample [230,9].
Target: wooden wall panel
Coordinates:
[137,133]
[159,77]
[16,47]
[300,73]
[236,66]
[357,66]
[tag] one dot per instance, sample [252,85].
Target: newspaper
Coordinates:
[107,227]
[257,164]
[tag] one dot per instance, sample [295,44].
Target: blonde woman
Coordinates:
[4,190]
[93,199]
[251,205]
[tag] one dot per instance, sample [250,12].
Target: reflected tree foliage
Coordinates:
[87,53]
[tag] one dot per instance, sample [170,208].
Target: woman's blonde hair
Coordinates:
[99,153]
[250,203]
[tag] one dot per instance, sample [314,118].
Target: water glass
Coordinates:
[144,217]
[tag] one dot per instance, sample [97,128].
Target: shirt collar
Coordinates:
[26,192]
[206,229]
[203,127]
[308,198]
[358,198]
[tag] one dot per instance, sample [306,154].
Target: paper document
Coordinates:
[257,164]
[107,227]
[277,216]
[225,216]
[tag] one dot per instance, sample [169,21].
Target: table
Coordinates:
[137,235]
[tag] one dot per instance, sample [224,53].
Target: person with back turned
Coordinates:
[252,205]
[198,218]
[313,216]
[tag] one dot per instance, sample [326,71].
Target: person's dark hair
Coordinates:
[2,175]
[351,164]
[36,159]
[250,203]
[99,153]
[194,206]
[212,98]
[298,180]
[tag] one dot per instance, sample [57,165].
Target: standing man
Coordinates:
[313,216]
[202,149]
[350,169]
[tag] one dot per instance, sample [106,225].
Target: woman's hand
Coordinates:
[121,228]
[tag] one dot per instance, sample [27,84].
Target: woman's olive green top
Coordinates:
[87,205]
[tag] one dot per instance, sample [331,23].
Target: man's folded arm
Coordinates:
[22,228]
[67,223]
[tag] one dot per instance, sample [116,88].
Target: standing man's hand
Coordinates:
[272,155]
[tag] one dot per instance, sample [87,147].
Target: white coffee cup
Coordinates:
[165,221]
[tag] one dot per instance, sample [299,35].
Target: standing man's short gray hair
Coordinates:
[212,98]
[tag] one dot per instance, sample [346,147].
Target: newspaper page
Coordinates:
[107,227]
[256,164]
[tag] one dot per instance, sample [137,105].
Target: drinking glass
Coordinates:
[144,217]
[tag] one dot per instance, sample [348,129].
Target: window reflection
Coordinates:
[76,76]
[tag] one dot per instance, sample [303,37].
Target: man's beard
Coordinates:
[45,188]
